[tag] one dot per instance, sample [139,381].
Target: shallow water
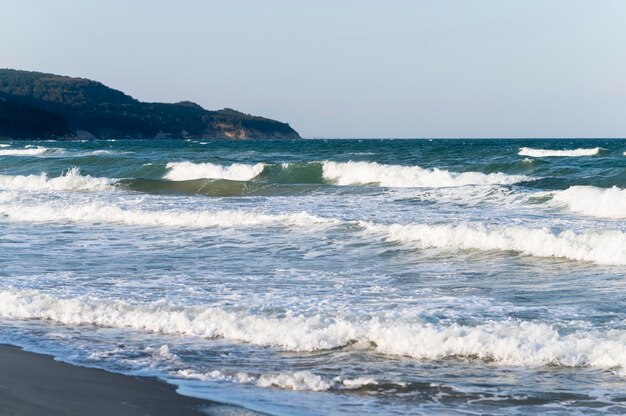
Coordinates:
[327,276]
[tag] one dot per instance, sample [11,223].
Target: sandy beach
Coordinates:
[34,384]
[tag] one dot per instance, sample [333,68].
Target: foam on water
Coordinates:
[507,342]
[184,171]
[594,201]
[356,173]
[358,382]
[113,214]
[297,381]
[606,247]
[5,145]
[31,151]
[528,151]
[71,180]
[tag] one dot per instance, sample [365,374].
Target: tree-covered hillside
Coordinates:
[91,109]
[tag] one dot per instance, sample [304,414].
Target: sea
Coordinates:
[326,277]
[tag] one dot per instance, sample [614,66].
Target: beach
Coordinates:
[35,384]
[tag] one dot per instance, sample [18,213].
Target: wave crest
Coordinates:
[357,173]
[184,171]
[528,151]
[507,342]
[33,151]
[603,247]
[594,201]
[71,180]
[113,214]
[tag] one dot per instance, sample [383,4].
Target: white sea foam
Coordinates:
[184,171]
[162,353]
[358,382]
[71,180]
[606,247]
[354,173]
[29,151]
[528,151]
[594,201]
[508,342]
[7,196]
[5,145]
[301,380]
[298,381]
[113,214]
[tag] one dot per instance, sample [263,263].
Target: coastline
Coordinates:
[33,384]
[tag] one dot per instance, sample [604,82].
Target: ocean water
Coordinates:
[315,277]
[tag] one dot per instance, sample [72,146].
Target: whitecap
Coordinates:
[29,151]
[606,247]
[593,201]
[114,214]
[183,171]
[356,173]
[71,180]
[505,342]
[528,151]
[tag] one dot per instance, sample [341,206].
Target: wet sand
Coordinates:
[34,384]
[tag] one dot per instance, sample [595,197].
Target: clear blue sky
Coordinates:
[348,68]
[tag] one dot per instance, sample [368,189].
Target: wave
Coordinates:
[184,171]
[603,247]
[528,151]
[88,153]
[507,342]
[5,145]
[338,173]
[69,181]
[216,187]
[594,201]
[297,381]
[31,151]
[359,173]
[113,214]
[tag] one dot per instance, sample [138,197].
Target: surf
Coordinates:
[363,173]
[529,151]
[606,247]
[509,342]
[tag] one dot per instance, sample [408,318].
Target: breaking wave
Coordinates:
[338,173]
[71,180]
[32,151]
[594,201]
[184,171]
[528,151]
[297,381]
[113,214]
[508,342]
[603,247]
[358,173]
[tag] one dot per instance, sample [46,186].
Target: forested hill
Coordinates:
[38,105]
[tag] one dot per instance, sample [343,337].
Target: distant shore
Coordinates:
[35,384]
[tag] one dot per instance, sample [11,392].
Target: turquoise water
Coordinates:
[327,276]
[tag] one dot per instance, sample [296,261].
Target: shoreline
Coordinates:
[33,384]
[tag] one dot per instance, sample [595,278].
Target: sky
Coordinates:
[347,68]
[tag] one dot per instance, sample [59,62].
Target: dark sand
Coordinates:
[34,385]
